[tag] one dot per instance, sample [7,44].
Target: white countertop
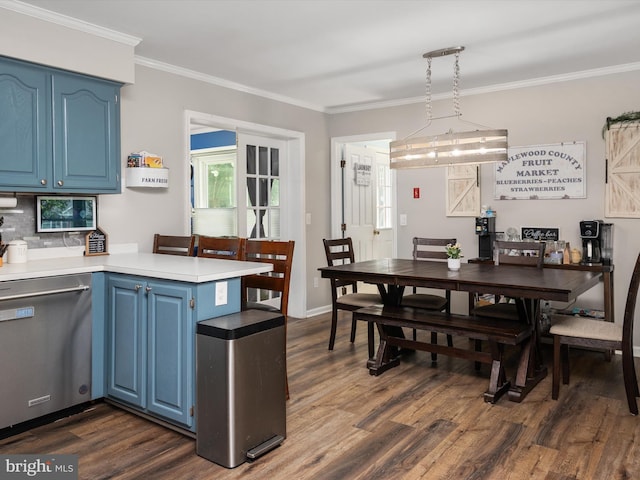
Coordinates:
[169,267]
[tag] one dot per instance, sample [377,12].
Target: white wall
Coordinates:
[107,55]
[555,113]
[153,119]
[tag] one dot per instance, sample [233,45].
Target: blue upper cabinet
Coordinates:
[60,132]
[86,134]
[25,126]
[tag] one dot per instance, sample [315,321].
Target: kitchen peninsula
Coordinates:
[143,314]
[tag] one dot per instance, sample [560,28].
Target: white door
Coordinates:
[261,164]
[292,188]
[384,195]
[261,167]
[366,203]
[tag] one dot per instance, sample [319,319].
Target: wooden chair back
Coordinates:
[174,245]
[339,251]
[528,254]
[431,248]
[280,255]
[630,307]
[227,248]
[519,253]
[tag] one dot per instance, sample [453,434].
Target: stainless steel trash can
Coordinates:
[240,389]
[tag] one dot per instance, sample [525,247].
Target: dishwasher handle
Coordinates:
[41,293]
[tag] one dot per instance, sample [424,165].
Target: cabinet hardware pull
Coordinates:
[43,181]
[147,289]
[60,183]
[137,287]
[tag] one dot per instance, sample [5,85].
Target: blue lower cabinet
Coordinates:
[170,353]
[126,340]
[150,346]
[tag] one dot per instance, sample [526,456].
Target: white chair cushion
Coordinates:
[573,326]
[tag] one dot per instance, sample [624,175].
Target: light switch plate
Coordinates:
[221,293]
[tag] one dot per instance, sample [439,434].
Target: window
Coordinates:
[383,195]
[214,202]
[263,192]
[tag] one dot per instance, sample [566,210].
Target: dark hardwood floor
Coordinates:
[414,421]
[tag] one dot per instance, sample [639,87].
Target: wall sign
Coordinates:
[362,173]
[96,243]
[539,233]
[554,171]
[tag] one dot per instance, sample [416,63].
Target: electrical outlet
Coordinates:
[221,293]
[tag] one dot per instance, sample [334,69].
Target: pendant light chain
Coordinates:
[428,91]
[456,85]
[480,145]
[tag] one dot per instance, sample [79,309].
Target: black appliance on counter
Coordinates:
[486,232]
[597,241]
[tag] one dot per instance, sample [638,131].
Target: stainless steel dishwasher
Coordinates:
[45,346]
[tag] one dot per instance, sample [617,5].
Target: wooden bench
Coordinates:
[497,333]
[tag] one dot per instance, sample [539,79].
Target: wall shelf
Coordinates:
[147,177]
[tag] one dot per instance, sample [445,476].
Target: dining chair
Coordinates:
[430,249]
[529,254]
[174,245]
[585,332]
[344,293]
[280,255]
[227,248]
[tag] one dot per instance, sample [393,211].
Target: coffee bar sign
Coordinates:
[554,171]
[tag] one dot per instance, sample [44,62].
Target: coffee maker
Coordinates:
[486,232]
[597,241]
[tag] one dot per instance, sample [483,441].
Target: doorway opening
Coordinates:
[287,212]
[363,194]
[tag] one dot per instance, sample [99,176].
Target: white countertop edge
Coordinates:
[168,267]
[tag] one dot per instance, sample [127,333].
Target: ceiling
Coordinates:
[342,55]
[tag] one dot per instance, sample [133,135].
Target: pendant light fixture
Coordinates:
[483,145]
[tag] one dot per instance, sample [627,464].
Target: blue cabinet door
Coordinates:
[25,127]
[86,134]
[59,131]
[126,340]
[170,352]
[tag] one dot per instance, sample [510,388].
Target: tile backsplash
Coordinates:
[20,223]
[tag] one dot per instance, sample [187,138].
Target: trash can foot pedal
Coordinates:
[265,447]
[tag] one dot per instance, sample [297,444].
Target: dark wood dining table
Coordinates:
[527,285]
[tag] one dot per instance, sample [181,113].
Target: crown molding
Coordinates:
[69,22]
[221,82]
[534,82]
